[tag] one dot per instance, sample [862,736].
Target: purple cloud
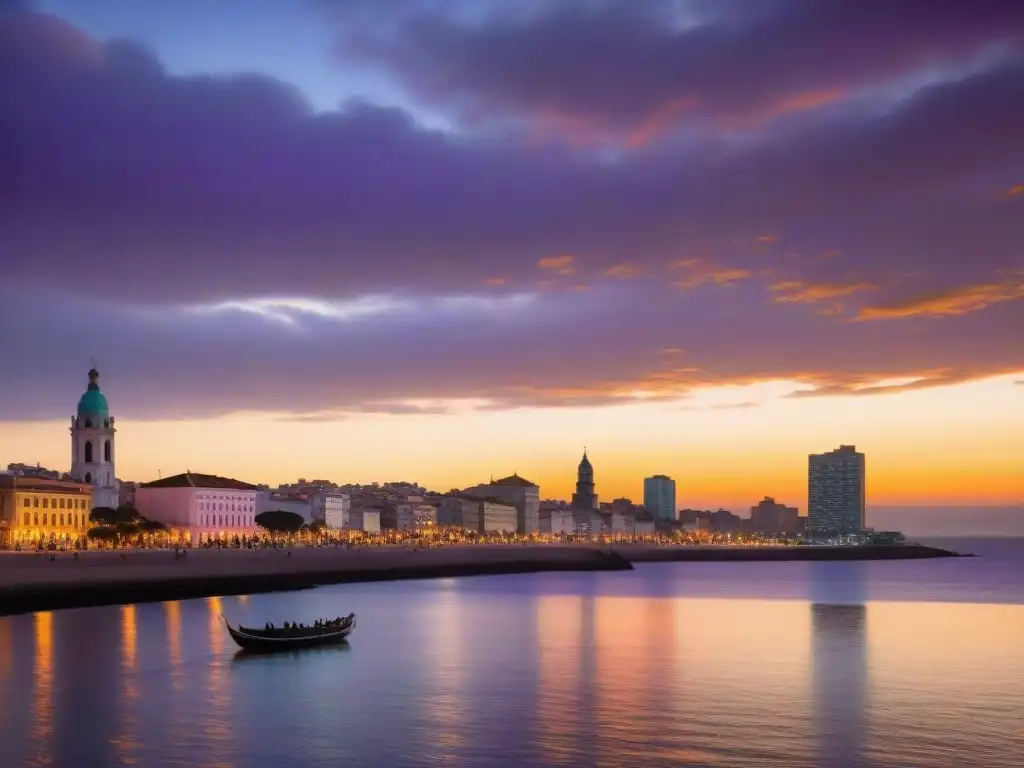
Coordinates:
[205,237]
[629,71]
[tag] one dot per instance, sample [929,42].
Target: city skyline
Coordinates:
[708,272]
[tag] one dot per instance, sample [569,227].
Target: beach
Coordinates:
[34,582]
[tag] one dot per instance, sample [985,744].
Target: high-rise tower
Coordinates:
[835,491]
[92,445]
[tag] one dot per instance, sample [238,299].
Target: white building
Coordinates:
[563,522]
[364,519]
[519,492]
[92,445]
[660,496]
[332,508]
[200,507]
[268,501]
[498,517]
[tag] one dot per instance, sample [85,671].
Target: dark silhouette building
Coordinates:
[585,497]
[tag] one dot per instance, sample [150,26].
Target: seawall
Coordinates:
[32,582]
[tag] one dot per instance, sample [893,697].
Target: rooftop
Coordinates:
[199,480]
[514,480]
[42,484]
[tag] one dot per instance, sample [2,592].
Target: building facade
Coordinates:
[660,496]
[332,508]
[92,445]
[585,497]
[770,517]
[517,491]
[38,511]
[836,491]
[364,519]
[198,508]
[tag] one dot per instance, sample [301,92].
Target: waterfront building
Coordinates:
[498,516]
[563,522]
[364,519]
[397,516]
[332,508]
[517,491]
[198,507]
[836,491]
[660,496]
[458,512]
[585,497]
[270,501]
[92,445]
[770,517]
[38,510]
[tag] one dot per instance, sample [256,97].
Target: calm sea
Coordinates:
[887,664]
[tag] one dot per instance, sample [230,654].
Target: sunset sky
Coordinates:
[440,240]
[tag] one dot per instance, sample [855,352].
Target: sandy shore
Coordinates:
[33,582]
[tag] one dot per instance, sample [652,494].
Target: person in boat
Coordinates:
[286,626]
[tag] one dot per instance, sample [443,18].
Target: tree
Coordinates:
[152,526]
[279,521]
[99,533]
[127,529]
[110,516]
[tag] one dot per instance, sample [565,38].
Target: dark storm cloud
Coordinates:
[632,70]
[147,192]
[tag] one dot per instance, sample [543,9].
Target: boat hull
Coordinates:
[263,642]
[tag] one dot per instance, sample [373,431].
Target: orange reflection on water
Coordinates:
[558,642]
[6,650]
[973,652]
[218,726]
[445,706]
[42,721]
[128,637]
[173,620]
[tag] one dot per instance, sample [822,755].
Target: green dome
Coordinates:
[93,403]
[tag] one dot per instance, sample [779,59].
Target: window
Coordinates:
[88,477]
[88,425]
[88,451]
[26,518]
[62,518]
[35,518]
[46,503]
[28,502]
[35,501]
[44,516]
[61,503]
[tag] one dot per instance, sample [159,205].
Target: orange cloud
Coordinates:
[670,351]
[764,239]
[580,288]
[928,380]
[1017,191]
[657,123]
[704,273]
[496,281]
[683,263]
[958,301]
[623,270]
[799,292]
[560,265]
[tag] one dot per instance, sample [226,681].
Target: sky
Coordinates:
[443,240]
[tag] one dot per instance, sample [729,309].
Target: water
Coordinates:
[883,664]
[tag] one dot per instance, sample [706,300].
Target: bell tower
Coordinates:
[92,445]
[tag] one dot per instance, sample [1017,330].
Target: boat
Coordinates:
[278,639]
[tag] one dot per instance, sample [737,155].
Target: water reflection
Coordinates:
[485,674]
[839,661]
[42,730]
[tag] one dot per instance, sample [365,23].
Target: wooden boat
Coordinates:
[277,639]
